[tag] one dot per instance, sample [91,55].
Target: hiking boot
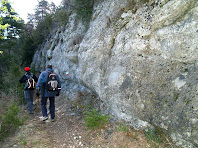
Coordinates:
[45,118]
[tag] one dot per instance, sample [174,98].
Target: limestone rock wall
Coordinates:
[139,59]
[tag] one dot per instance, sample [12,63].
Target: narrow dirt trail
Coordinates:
[68,132]
[64,132]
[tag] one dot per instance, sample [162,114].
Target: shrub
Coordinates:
[94,119]
[48,22]
[62,17]
[11,85]
[83,9]
[122,127]
[28,48]
[153,138]
[10,121]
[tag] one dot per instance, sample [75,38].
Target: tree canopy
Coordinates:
[10,24]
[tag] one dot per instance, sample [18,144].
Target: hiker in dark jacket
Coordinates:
[29,80]
[46,92]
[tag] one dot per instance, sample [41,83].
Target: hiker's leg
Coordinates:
[31,95]
[52,107]
[43,106]
[28,101]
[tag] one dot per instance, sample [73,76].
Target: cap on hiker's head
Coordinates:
[49,66]
[27,68]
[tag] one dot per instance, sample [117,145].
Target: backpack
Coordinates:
[30,83]
[52,83]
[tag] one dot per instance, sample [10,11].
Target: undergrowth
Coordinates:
[153,138]
[94,119]
[10,121]
[122,127]
[157,139]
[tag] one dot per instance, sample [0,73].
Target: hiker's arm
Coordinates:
[23,79]
[40,81]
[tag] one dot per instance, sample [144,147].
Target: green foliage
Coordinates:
[1,80]
[20,94]
[23,142]
[48,21]
[12,77]
[94,119]
[83,9]
[41,10]
[9,43]
[4,62]
[10,121]
[9,55]
[123,127]
[61,16]
[153,137]
[11,85]
[33,69]
[10,58]
[186,70]
[28,47]
[9,21]
[144,1]
[39,33]
[32,41]
[176,96]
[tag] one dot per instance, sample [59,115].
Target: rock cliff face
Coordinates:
[139,59]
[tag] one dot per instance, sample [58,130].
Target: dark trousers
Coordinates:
[51,106]
[28,94]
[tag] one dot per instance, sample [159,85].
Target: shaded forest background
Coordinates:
[18,43]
